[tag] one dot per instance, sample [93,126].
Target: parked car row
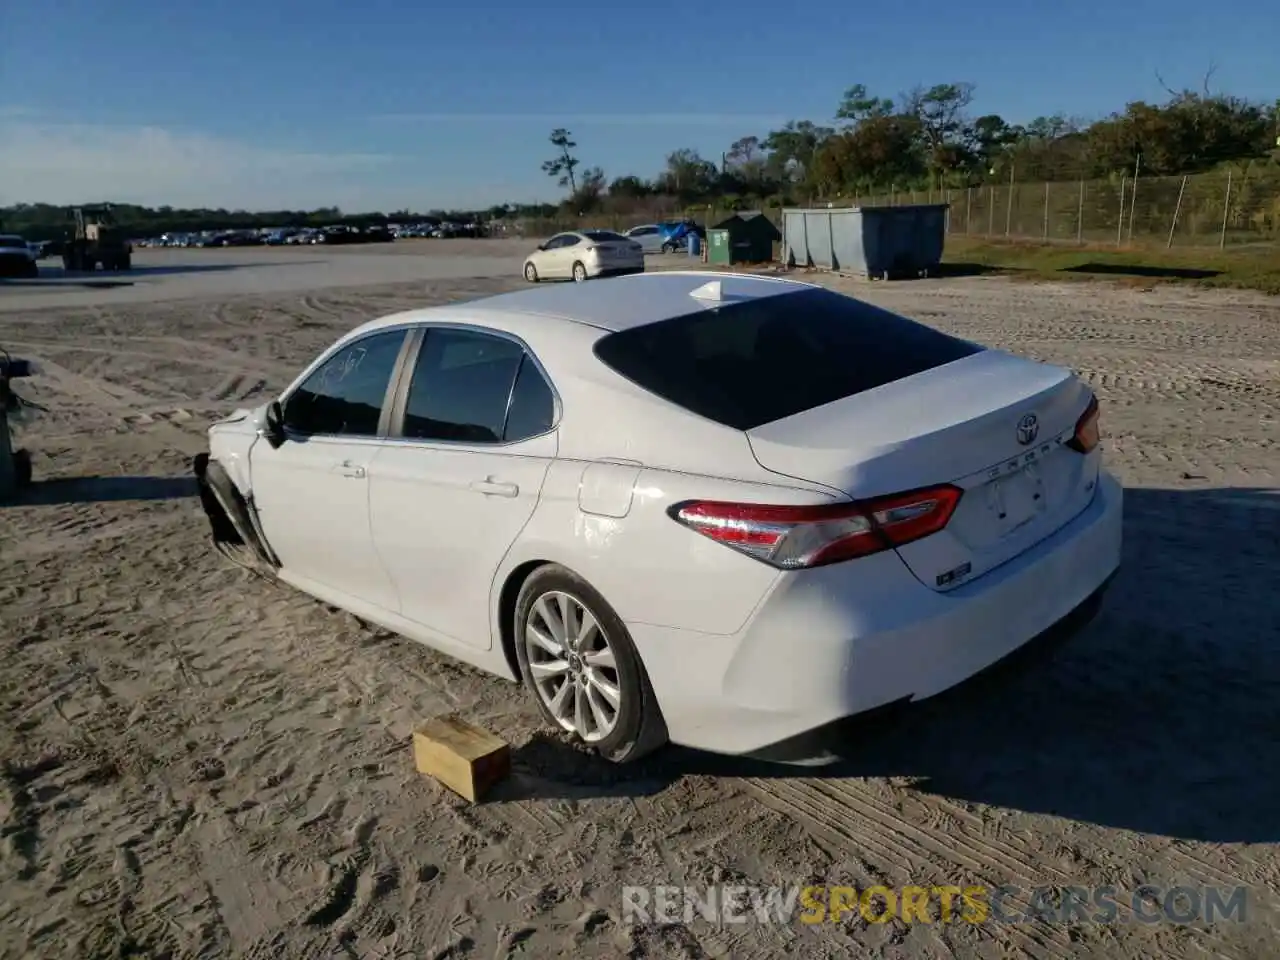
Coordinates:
[444,230]
[272,237]
[301,236]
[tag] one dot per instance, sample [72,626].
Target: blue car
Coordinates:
[675,234]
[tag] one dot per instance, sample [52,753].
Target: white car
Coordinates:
[648,235]
[722,510]
[582,254]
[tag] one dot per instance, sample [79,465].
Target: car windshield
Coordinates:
[751,363]
[12,240]
[603,236]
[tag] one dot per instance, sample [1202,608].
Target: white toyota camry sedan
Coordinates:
[726,511]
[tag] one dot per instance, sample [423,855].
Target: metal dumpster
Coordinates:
[719,250]
[875,242]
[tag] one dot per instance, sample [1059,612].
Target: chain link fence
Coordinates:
[1202,210]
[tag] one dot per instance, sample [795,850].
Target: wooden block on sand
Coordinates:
[463,757]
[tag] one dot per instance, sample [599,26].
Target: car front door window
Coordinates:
[345,396]
[312,492]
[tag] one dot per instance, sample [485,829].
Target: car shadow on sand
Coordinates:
[1162,716]
[63,281]
[103,490]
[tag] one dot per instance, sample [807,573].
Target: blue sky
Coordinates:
[385,104]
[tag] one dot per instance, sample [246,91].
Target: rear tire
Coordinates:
[600,662]
[579,272]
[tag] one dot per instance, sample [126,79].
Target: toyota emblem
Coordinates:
[1028,428]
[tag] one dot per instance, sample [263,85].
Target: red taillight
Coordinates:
[1087,434]
[800,537]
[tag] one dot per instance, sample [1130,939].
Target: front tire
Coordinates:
[530,273]
[577,659]
[579,272]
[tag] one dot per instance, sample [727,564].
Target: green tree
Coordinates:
[562,166]
[858,106]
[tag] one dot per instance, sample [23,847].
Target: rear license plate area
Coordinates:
[1015,499]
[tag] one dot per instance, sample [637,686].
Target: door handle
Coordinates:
[495,488]
[348,469]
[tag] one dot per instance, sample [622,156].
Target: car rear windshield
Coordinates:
[11,240]
[604,236]
[750,363]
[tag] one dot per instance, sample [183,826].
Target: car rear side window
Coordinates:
[533,407]
[462,383]
[750,363]
[345,395]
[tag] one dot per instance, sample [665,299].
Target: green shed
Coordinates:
[751,237]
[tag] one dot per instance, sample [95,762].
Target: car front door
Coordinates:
[461,475]
[312,492]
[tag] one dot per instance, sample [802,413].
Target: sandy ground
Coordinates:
[197,764]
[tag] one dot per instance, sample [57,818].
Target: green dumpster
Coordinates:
[751,237]
[719,252]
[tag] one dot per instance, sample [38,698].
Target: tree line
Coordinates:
[928,139]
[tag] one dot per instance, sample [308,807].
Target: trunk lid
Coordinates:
[616,250]
[993,424]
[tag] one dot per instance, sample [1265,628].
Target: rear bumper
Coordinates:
[839,641]
[600,271]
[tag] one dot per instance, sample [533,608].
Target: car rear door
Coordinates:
[552,263]
[473,437]
[312,492]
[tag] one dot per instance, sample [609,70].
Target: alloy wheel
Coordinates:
[572,666]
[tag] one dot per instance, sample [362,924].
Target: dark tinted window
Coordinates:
[460,388]
[754,362]
[532,406]
[346,394]
[604,236]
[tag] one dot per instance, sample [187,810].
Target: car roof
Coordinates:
[621,303]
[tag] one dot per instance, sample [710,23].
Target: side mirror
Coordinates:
[274,429]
